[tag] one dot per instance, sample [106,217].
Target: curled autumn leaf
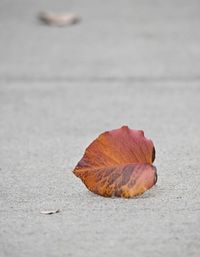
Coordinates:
[118,163]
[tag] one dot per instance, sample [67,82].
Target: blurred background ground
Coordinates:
[126,62]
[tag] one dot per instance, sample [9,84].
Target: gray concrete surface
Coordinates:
[127,62]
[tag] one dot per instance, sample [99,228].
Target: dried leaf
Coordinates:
[118,163]
[59,19]
[49,212]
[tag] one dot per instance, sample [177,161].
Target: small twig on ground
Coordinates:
[49,212]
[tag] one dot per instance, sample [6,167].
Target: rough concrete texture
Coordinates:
[127,62]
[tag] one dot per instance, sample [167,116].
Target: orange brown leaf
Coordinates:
[118,163]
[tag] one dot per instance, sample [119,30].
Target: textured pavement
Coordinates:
[127,62]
